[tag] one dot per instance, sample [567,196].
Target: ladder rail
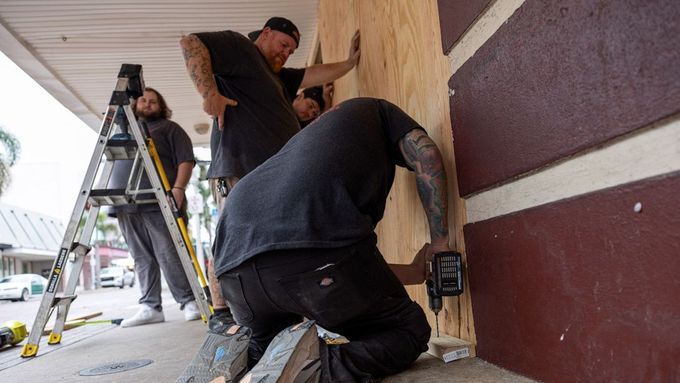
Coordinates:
[44,311]
[184,231]
[77,264]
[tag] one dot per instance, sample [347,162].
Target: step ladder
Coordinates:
[76,244]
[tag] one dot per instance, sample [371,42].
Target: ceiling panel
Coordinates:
[74,49]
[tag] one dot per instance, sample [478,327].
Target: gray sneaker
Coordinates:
[291,357]
[221,355]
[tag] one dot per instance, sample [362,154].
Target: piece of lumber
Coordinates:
[86,316]
[67,326]
[73,322]
[448,348]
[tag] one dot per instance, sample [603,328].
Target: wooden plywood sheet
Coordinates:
[402,62]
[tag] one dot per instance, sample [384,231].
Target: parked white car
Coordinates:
[21,286]
[116,276]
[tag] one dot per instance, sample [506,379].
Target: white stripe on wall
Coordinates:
[647,153]
[480,31]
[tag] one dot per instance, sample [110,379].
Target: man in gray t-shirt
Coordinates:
[296,239]
[143,226]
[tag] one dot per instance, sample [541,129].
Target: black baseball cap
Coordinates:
[280,24]
[316,94]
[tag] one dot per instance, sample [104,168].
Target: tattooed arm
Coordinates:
[197,59]
[422,155]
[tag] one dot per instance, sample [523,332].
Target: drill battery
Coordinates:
[447,274]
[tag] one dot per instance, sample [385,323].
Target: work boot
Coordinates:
[145,315]
[292,356]
[220,321]
[221,355]
[191,311]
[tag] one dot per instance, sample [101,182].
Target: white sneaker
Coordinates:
[145,315]
[191,311]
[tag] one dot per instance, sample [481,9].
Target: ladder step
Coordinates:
[120,149]
[65,300]
[117,197]
[108,197]
[80,249]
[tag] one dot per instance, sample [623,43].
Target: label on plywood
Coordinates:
[448,349]
[455,355]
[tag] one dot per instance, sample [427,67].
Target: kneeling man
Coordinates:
[296,240]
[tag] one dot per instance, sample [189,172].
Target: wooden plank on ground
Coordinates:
[449,348]
[74,322]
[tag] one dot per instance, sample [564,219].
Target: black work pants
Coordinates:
[348,290]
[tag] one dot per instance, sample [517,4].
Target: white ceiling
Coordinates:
[74,48]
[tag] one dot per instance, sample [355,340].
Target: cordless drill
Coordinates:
[12,332]
[446,280]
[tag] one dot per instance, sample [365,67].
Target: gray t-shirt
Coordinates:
[264,119]
[325,188]
[173,146]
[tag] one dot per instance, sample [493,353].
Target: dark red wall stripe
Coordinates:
[560,77]
[583,290]
[455,17]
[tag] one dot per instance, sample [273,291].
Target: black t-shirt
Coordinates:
[264,119]
[325,188]
[173,146]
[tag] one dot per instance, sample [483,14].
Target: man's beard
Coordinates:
[275,66]
[148,116]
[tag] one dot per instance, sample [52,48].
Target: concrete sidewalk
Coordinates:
[170,346]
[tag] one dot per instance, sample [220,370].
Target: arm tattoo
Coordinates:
[423,156]
[197,59]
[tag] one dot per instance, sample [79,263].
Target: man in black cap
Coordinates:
[249,95]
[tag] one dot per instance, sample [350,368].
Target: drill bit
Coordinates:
[436,323]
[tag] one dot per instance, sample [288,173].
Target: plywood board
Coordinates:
[402,62]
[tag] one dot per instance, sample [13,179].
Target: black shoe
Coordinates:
[220,321]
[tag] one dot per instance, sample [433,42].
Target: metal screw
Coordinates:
[638,207]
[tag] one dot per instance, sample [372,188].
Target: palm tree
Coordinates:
[10,149]
[105,229]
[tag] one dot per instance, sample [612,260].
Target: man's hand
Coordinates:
[215,105]
[199,66]
[318,74]
[178,194]
[418,270]
[328,90]
[421,263]
[354,49]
